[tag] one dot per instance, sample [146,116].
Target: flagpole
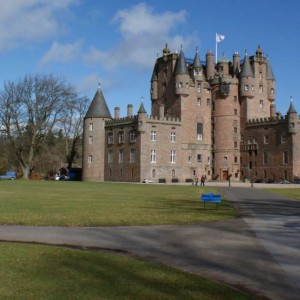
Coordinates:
[216,50]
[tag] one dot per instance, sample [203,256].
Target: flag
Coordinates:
[219,38]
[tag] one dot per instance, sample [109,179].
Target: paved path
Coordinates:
[258,253]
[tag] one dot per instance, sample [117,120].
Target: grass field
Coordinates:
[31,272]
[292,193]
[62,203]
[49,272]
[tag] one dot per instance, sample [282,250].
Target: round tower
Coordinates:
[210,65]
[270,82]
[292,119]
[182,77]
[236,63]
[94,139]
[247,79]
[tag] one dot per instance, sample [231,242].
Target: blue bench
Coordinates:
[210,198]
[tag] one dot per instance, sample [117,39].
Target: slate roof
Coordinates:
[246,69]
[181,67]
[98,107]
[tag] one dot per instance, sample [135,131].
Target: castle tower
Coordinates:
[292,119]
[94,139]
[236,64]
[210,65]
[182,77]
[270,82]
[197,68]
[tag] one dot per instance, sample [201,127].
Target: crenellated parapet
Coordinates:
[164,119]
[121,121]
[266,121]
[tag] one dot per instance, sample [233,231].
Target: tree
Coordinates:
[72,124]
[29,110]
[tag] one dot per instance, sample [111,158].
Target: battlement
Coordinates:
[265,121]
[121,121]
[164,119]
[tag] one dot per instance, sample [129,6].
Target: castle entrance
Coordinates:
[225,175]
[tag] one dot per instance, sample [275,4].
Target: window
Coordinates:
[208,102]
[121,156]
[91,126]
[180,85]
[208,160]
[90,159]
[235,130]
[110,157]
[285,158]
[190,159]
[283,137]
[173,156]
[153,156]
[132,155]
[110,138]
[252,87]
[153,136]
[91,140]
[199,131]
[199,87]
[272,91]
[235,145]
[199,158]
[260,89]
[261,103]
[132,136]
[196,72]
[265,158]
[235,98]
[260,75]
[266,139]
[246,87]
[121,137]
[173,137]
[235,159]
[199,101]
[235,112]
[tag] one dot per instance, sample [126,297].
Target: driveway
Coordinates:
[258,253]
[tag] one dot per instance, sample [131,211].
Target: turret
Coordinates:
[142,117]
[223,66]
[182,77]
[197,67]
[94,138]
[292,118]
[210,65]
[270,82]
[246,79]
[236,64]
[154,84]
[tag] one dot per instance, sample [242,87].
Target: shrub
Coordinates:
[162,180]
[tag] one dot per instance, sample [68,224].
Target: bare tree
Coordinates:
[29,109]
[72,124]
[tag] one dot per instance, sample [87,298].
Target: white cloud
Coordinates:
[62,53]
[30,20]
[143,32]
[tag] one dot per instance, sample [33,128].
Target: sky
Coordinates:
[115,43]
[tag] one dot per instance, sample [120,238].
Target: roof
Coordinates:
[142,109]
[181,67]
[246,69]
[197,62]
[98,108]
[269,75]
[291,108]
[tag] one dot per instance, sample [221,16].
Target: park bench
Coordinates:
[210,198]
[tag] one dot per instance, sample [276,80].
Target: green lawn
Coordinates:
[47,272]
[293,193]
[63,203]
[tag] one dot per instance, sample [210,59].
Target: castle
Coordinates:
[213,119]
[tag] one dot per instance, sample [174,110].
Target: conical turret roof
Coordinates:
[142,109]
[246,69]
[181,67]
[291,109]
[98,107]
[197,62]
[269,75]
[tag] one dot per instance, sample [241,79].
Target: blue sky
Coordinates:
[116,42]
